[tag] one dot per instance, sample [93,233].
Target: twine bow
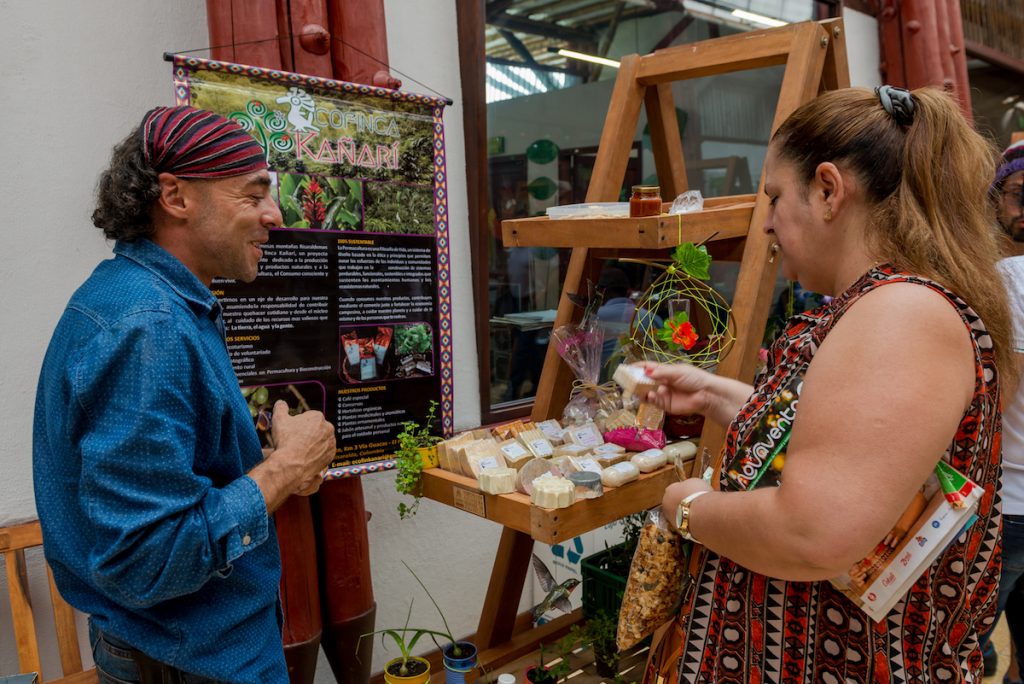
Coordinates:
[604,394]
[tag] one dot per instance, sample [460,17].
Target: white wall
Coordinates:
[76,77]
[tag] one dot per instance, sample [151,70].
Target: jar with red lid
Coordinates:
[645,201]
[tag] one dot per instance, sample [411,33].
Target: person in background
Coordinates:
[1007,194]
[151,486]
[616,313]
[878,200]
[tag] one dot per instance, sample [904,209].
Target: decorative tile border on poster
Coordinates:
[361,469]
[185,63]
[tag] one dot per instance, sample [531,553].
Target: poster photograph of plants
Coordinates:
[392,208]
[320,202]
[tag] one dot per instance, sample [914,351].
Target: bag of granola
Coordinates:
[656,580]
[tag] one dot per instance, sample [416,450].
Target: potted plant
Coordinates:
[550,673]
[417,450]
[406,669]
[599,631]
[459,656]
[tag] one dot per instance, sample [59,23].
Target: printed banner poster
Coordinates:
[351,312]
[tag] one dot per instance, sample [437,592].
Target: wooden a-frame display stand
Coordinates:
[814,55]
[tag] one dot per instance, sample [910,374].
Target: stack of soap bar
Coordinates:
[619,419]
[481,455]
[633,380]
[535,441]
[515,453]
[585,435]
[619,474]
[497,480]
[588,484]
[550,491]
[649,461]
[447,452]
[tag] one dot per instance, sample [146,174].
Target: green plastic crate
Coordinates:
[602,590]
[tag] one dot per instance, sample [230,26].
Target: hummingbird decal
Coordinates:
[557,594]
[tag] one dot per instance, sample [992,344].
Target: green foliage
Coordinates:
[692,260]
[406,637]
[409,461]
[411,339]
[399,209]
[320,202]
[599,632]
[402,639]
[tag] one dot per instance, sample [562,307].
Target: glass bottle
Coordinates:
[645,201]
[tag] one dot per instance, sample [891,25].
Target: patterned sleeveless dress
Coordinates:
[746,627]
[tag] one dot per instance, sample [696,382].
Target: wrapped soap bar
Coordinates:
[588,485]
[550,491]
[649,416]
[608,454]
[565,464]
[683,455]
[482,433]
[552,430]
[497,480]
[586,435]
[619,474]
[683,450]
[633,379]
[589,464]
[536,442]
[571,450]
[530,471]
[619,419]
[649,461]
[515,453]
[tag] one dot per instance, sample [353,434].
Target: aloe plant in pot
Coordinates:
[406,669]
[459,656]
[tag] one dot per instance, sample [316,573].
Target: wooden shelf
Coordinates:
[723,217]
[547,525]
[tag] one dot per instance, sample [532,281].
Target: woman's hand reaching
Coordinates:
[684,390]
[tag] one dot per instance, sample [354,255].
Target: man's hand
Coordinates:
[305,447]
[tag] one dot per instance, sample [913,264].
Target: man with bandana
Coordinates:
[152,488]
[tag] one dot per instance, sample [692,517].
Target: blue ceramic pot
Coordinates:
[455,669]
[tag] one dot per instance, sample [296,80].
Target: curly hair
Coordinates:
[126,192]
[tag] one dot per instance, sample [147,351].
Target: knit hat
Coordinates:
[1011,162]
[195,143]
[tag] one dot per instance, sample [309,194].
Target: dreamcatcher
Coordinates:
[680,318]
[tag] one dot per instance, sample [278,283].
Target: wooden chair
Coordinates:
[13,542]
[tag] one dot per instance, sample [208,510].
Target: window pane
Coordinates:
[545,115]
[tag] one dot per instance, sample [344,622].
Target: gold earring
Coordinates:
[828,212]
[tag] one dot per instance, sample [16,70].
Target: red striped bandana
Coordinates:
[195,143]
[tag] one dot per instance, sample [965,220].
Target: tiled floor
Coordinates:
[1001,639]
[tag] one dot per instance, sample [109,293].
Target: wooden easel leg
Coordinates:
[501,604]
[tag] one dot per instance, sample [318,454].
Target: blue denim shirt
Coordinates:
[141,446]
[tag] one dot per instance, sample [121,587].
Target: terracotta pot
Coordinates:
[421,678]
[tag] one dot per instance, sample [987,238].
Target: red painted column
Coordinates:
[958,52]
